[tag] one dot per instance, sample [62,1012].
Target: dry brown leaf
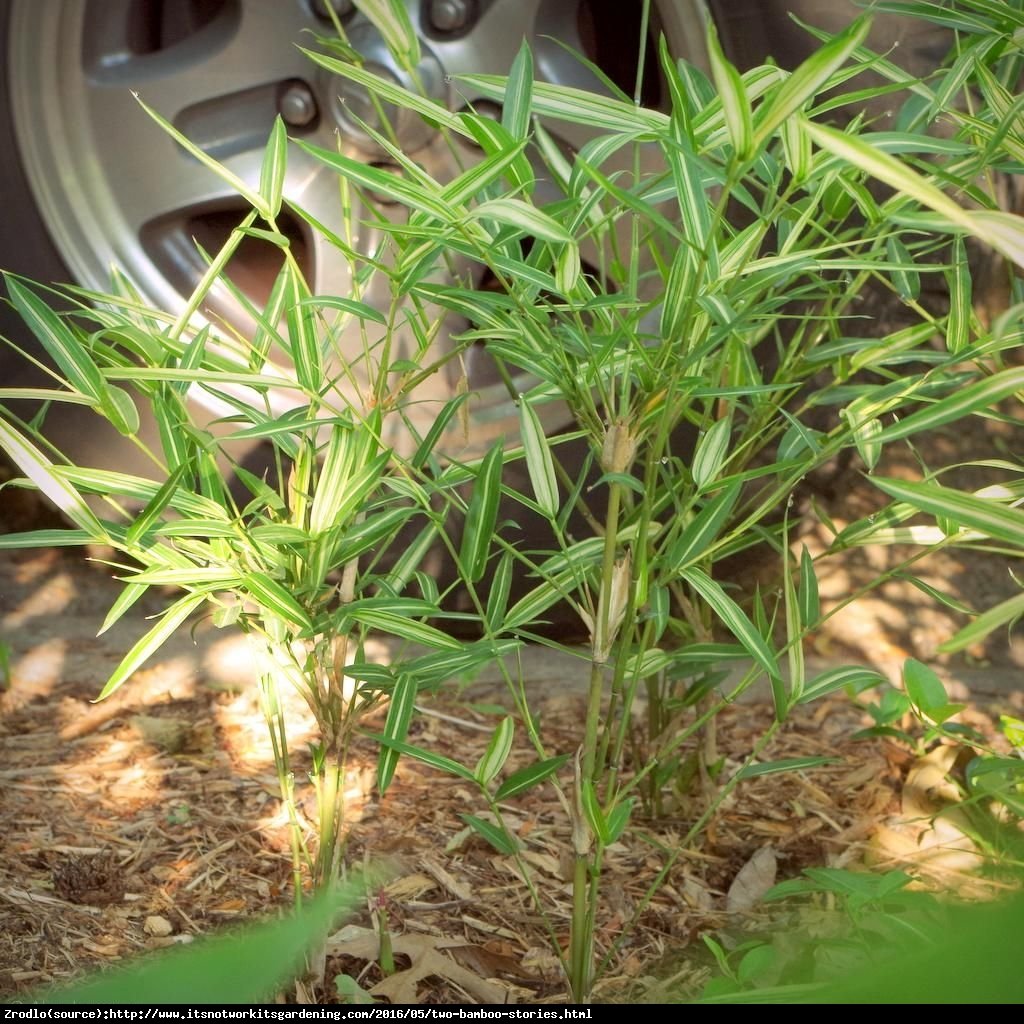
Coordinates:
[752,881]
[410,887]
[426,960]
[157,926]
[927,789]
[447,881]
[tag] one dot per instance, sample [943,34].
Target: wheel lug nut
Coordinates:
[297,104]
[450,15]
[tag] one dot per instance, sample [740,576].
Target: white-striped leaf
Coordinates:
[958,323]
[274,598]
[482,515]
[709,457]
[692,544]
[733,94]
[539,463]
[983,395]
[410,194]
[1007,611]
[732,616]
[805,82]
[494,757]
[152,641]
[303,336]
[232,180]
[524,216]
[577,106]
[391,19]
[965,510]
[516,108]
[443,764]
[389,92]
[273,169]
[839,678]
[1003,231]
[38,468]
[409,629]
[400,712]
[810,603]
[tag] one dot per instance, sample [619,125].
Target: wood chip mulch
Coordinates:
[161,822]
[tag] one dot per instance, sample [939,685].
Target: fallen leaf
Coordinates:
[157,926]
[752,881]
[426,960]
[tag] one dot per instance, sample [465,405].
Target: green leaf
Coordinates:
[496,754]
[482,515]
[125,600]
[907,281]
[733,618]
[787,764]
[966,510]
[794,632]
[497,836]
[618,819]
[396,728]
[695,540]
[530,776]
[539,463]
[152,641]
[148,517]
[592,810]
[241,968]
[273,169]
[443,764]
[923,686]
[810,604]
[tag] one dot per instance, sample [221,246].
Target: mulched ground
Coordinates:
[146,822]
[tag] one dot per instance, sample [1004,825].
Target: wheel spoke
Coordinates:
[245,46]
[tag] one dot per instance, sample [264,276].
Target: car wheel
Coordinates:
[97,184]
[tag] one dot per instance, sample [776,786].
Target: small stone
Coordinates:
[158,927]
